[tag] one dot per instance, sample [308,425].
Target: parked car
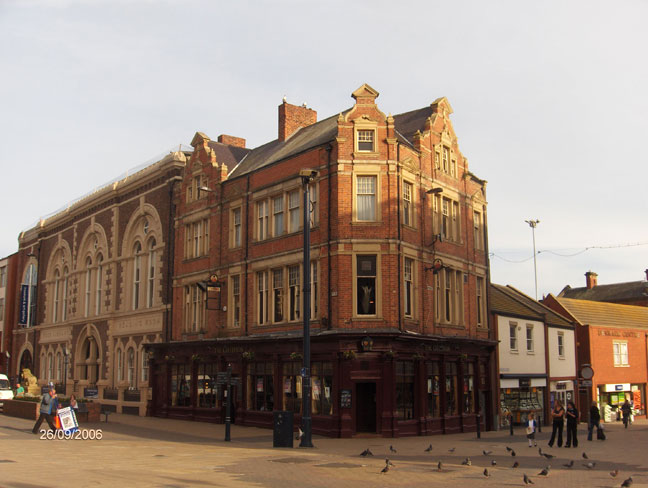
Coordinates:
[6,393]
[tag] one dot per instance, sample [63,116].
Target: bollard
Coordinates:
[539,423]
[511,423]
[478,426]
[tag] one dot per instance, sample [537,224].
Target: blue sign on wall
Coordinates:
[24,304]
[91,392]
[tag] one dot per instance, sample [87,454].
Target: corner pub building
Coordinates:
[401,343]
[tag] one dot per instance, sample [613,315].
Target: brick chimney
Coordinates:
[231,140]
[646,271]
[292,118]
[590,279]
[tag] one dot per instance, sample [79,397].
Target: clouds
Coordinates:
[548,100]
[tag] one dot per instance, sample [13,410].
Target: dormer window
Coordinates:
[366,140]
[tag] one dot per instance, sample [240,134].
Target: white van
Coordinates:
[6,393]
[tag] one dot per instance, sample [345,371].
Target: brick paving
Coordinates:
[154,452]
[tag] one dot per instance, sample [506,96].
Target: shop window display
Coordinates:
[260,387]
[434,389]
[405,390]
[520,401]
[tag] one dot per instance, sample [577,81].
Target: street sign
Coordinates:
[585,382]
[587,372]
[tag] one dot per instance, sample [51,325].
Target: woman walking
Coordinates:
[572,424]
[558,416]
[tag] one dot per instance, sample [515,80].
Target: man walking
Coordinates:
[594,420]
[49,404]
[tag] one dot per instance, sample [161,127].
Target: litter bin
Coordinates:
[283,429]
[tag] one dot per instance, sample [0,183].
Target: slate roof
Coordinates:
[506,300]
[230,155]
[616,292]
[605,314]
[317,134]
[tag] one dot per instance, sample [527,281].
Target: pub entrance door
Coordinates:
[366,407]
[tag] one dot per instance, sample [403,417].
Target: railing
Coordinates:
[131,395]
[111,394]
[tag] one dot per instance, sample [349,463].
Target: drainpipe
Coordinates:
[400,247]
[247,244]
[169,261]
[329,148]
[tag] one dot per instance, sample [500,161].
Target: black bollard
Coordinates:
[478,426]
[511,422]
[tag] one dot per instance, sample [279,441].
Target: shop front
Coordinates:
[612,396]
[519,396]
[561,390]
[371,385]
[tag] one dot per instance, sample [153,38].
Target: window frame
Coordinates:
[561,345]
[408,204]
[377,307]
[530,343]
[513,337]
[408,287]
[237,226]
[361,139]
[618,357]
[375,196]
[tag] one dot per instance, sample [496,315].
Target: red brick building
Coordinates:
[8,291]
[401,343]
[613,339]
[627,293]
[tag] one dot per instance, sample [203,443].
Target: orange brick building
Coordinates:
[613,339]
[401,343]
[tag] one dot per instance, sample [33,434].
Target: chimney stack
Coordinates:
[292,118]
[231,140]
[590,279]
[646,271]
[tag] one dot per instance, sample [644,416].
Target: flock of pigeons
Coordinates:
[627,483]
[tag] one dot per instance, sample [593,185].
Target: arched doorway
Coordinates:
[26,361]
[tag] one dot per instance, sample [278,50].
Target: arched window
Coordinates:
[145,365]
[57,295]
[151,274]
[131,367]
[66,280]
[59,366]
[50,366]
[120,365]
[99,284]
[137,274]
[88,286]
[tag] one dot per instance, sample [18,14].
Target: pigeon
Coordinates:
[509,449]
[385,469]
[466,462]
[487,453]
[439,467]
[486,473]
[300,434]
[391,449]
[452,449]
[545,471]
[366,453]
[548,456]
[540,451]
[493,463]
[515,464]
[590,465]
[569,464]
[527,480]
[512,453]
[388,462]
[428,448]
[627,483]
[614,473]
[585,455]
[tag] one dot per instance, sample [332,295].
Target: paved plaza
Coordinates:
[156,452]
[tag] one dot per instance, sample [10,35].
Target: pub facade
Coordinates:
[398,275]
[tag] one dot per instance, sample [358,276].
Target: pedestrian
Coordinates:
[20,391]
[531,429]
[49,404]
[558,416]
[73,403]
[626,409]
[573,416]
[594,420]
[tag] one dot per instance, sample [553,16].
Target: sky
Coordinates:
[549,100]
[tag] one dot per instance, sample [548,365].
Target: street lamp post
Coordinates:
[533,224]
[66,356]
[307,176]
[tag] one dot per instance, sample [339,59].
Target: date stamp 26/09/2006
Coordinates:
[83,434]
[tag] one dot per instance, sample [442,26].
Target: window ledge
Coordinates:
[621,365]
[365,154]
[375,223]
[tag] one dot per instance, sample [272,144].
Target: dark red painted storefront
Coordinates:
[386,388]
